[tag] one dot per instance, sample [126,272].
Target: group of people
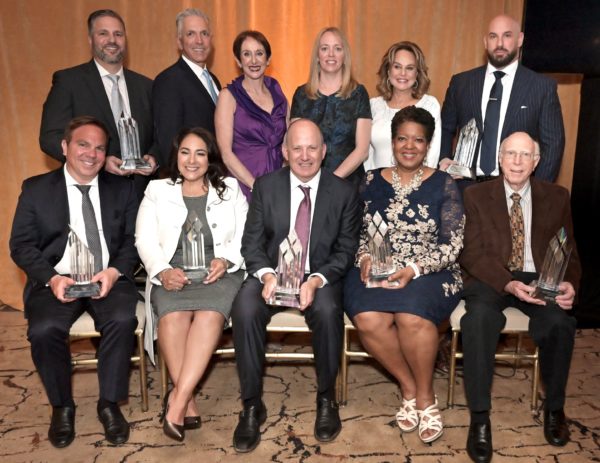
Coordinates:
[251,170]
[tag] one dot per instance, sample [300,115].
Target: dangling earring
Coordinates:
[416,84]
[394,163]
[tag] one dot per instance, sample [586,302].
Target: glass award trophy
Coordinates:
[192,242]
[82,269]
[465,151]
[289,273]
[382,264]
[553,268]
[130,145]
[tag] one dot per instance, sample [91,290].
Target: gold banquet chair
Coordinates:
[287,321]
[347,354]
[516,323]
[84,328]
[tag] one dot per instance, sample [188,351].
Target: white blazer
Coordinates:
[158,228]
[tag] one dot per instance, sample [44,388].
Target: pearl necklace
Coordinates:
[403,190]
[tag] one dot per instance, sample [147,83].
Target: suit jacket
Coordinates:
[334,229]
[41,225]
[488,244]
[158,228]
[180,100]
[79,91]
[533,107]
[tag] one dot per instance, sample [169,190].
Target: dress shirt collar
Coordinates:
[509,70]
[198,70]
[103,72]
[524,192]
[313,183]
[70,181]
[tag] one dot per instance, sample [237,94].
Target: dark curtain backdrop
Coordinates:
[41,36]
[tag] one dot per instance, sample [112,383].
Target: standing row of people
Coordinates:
[250,120]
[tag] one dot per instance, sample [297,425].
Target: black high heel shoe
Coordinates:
[192,422]
[172,430]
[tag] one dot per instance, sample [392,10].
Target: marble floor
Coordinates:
[369,432]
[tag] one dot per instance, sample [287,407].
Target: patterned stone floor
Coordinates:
[369,432]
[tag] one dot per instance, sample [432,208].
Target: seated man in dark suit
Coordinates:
[185,94]
[101,208]
[324,211]
[102,88]
[510,222]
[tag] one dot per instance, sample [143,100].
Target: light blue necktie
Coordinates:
[211,87]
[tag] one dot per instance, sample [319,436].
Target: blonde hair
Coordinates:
[384,86]
[348,82]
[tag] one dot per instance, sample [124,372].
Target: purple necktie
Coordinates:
[302,224]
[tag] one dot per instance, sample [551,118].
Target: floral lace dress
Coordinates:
[426,224]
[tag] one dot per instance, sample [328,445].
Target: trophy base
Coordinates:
[196,274]
[376,280]
[82,290]
[135,164]
[285,300]
[545,293]
[462,171]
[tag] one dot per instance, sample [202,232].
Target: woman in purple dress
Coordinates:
[251,114]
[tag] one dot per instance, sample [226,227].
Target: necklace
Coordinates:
[403,190]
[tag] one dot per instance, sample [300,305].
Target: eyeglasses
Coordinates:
[523,154]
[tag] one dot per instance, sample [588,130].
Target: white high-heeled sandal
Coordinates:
[430,419]
[408,412]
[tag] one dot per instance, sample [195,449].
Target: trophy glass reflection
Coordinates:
[289,273]
[130,145]
[553,268]
[192,243]
[82,269]
[382,264]
[465,151]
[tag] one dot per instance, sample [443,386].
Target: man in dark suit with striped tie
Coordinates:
[504,97]
[101,208]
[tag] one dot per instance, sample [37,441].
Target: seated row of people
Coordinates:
[397,322]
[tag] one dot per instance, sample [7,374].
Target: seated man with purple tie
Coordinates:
[101,209]
[324,212]
[510,222]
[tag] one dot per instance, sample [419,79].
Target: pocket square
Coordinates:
[523,107]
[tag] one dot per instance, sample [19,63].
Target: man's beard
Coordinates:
[109,59]
[502,62]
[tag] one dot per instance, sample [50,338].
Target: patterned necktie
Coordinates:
[116,100]
[517,229]
[489,138]
[91,226]
[209,84]
[302,225]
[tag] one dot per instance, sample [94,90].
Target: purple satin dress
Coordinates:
[258,135]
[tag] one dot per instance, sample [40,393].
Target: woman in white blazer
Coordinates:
[191,314]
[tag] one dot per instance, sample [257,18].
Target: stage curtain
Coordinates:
[41,36]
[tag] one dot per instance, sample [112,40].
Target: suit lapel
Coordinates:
[539,211]
[135,104]
[517,96]
[196,81]
[500,217]
[321,206]
[94,82]
[106,200]
[477,96]
[61,199]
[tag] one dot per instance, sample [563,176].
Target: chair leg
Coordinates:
[452,372]
[519,349]
[344,370]
[164,377]
[536,379]
[143,373]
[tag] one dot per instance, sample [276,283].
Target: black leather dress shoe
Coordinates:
[479,442]
[62,426]
[116,427]
[246,436]
[328,424]
[556,430]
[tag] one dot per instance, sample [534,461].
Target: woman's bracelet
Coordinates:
[362,257]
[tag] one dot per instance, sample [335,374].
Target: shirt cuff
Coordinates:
[262,271]
[415,268]
[325,282]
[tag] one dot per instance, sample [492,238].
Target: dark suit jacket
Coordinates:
[334,229]
[533,107]
[487,243]
[79,91]
[180,100]
[40,227]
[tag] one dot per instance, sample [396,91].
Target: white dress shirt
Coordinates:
[199,71]
[108,85]
[525,192]
[507,83]
[76,220]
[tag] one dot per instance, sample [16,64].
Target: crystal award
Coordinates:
[192,243]
[553,268]
[289,273]
[82,269]
[465,151]
[382,264]
[130,145]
